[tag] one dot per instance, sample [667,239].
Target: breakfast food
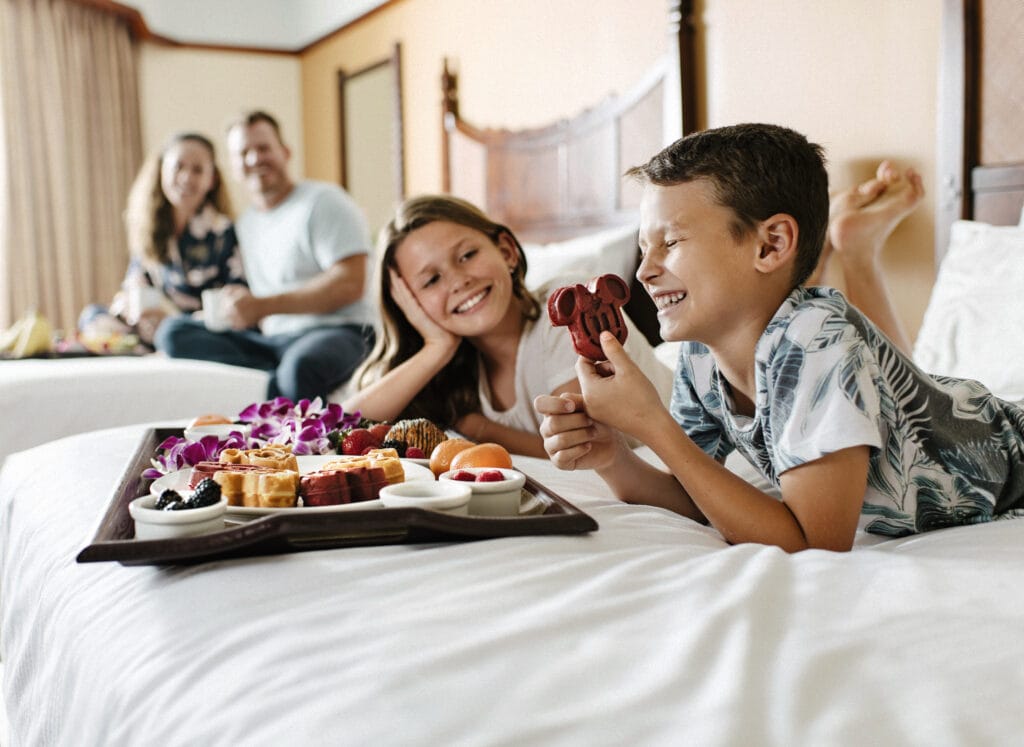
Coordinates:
[352,484]
[417,433]
[207,493]
[210,419]
[385,459]
[442,455]
[482,455]
[208,469]
[589,310]
[259,489]
[276,457]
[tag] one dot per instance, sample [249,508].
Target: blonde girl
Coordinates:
[462,341]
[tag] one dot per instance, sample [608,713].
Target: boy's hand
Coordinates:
[571,438]
[616,391]
[431,332]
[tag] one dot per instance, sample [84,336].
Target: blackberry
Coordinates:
[167,498]
[207,493]
[394,443]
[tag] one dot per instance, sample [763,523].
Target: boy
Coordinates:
[796,379]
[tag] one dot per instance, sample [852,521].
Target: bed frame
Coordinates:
[981,142]
[565,180]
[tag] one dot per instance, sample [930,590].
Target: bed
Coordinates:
[650,630]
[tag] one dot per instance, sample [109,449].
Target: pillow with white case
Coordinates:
[584,257]
[973,326]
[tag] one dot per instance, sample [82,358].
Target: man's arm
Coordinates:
[339,285]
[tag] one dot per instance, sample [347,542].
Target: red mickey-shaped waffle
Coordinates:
[589,310]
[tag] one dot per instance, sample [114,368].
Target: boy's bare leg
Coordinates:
[861,219]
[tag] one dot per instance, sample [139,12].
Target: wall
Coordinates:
[194,89]
[520,63]
[857,76]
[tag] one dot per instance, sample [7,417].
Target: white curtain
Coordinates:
[70,144]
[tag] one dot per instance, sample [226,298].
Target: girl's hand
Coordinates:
[430,331]
[617,392]
[149,320]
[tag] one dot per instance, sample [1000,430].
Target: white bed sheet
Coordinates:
[649,631]
[47,399]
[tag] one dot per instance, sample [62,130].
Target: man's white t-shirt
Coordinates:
[285,247]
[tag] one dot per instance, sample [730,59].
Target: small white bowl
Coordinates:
[498,498]
[220,430]
[447,497]
[153,524]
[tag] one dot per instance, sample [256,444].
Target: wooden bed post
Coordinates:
[958,117]
[449,113]
[680,76]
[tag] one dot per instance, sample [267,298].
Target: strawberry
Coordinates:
[464,476]
[415,452]
[491,475]
[379,431]
[357,440]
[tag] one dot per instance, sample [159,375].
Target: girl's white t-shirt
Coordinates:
[546,360]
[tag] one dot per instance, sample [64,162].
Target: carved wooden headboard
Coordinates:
[566,179]
[981,128]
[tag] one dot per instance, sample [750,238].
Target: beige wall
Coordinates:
[858,77]
[520,63]
[190,89]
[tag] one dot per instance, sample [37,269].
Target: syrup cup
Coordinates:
[446,497]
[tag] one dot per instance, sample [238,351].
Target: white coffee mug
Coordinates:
[142,298]
[213,310]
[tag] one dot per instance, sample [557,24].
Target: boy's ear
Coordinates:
[776,245]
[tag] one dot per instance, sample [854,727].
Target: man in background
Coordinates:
[304,247]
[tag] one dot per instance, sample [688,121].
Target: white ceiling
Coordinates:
[268,24]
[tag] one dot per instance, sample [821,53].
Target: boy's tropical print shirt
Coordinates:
[944,451]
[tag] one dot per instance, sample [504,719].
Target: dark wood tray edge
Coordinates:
[113,539]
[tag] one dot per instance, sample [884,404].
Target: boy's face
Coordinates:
[695,270]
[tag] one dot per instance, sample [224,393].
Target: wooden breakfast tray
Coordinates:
[269,535]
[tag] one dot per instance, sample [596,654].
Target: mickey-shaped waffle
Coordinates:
[589,310]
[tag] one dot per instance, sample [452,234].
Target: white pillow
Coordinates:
[584,257]
[974,325]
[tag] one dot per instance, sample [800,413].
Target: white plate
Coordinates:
[179,481]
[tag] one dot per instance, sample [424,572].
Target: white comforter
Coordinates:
[46,399]
[649,631]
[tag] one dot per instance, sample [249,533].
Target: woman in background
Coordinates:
[181,238]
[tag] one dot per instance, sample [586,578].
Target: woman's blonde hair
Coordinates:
[149,217]
[454,391]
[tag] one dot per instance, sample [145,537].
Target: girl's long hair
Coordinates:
[149,217]
[454,391]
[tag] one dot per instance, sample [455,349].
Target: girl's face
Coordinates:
[459,276]
[187,175]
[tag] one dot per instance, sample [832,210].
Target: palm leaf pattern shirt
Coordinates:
[944,451]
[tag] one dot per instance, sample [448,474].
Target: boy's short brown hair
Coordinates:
[756,170]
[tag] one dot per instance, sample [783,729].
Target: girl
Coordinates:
[463,342]
[181,238]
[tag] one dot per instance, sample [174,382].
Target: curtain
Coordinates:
[70,144]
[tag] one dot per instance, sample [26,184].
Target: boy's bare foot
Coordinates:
[862,219]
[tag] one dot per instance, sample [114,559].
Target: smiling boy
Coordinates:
[794,378]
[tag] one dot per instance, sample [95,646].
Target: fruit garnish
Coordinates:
[415,452]
[167,498]
[393,443]
[442,455]
[491,475]
[207,493]
[464,475]
[482,455]
[358,441]
[380,430]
